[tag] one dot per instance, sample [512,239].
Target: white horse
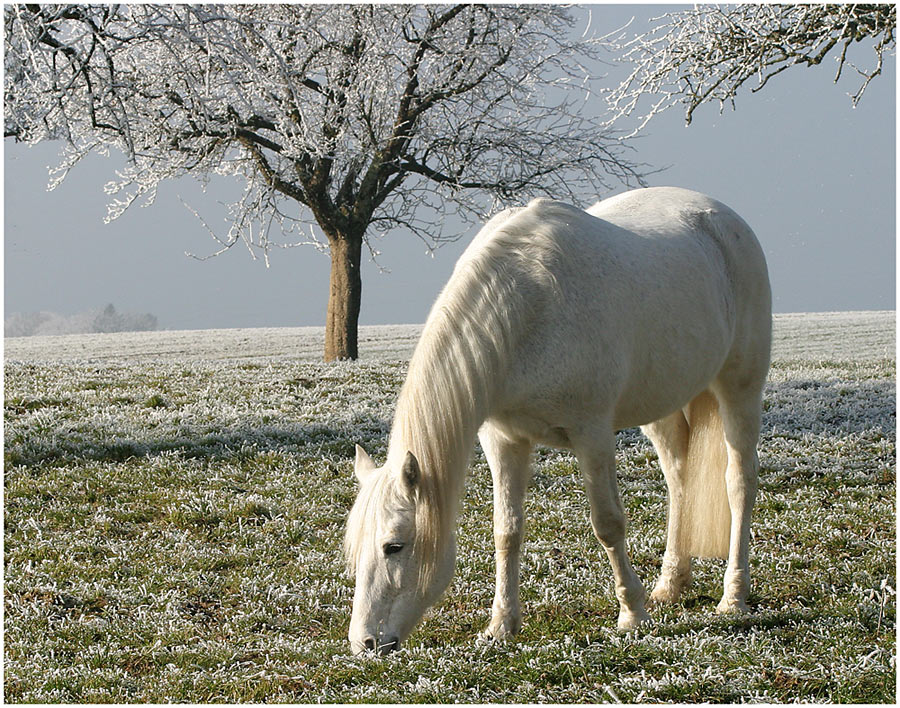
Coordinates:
[560,326]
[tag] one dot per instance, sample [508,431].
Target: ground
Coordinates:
[174,506]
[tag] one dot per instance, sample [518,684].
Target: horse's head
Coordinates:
[391,548]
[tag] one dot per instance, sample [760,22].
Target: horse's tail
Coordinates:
[705,516]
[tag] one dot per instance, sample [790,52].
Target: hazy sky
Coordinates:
[814,177]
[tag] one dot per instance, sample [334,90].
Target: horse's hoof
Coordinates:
[672,581]
[732,606]
[629,621]
[489,637]
[665,593]
[501,629]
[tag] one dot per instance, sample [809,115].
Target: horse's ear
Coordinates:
[363,465]
[410,469]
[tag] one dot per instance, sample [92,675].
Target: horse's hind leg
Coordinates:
[670,437]
[511,471]
[740,408]
[597,459]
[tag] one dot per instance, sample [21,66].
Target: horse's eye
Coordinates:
[392,548]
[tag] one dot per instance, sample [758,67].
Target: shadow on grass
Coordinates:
[228,445]
[815,406]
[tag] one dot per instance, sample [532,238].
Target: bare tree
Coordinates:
[709,52]
[358,118]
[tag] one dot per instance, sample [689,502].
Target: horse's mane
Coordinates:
[466,346]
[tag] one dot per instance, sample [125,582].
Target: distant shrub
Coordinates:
[111,321]
[28,324]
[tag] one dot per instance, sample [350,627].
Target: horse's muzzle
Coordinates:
[383,647]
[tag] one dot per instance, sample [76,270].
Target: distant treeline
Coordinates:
[28,324]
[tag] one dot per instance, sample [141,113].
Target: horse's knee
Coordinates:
[509,520]
[609,528]
[607,513]
[506,539]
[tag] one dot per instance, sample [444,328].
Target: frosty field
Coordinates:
[175,502]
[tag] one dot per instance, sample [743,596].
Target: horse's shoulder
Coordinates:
[550,209]
[544,220]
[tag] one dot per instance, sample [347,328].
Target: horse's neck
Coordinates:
[437,419]
[446,398]
[461,361]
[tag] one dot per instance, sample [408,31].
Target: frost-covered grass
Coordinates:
[173,525]
[812,336]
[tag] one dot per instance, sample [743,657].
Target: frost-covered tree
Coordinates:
[357,118]
[707,53]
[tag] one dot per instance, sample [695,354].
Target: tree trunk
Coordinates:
[344,298]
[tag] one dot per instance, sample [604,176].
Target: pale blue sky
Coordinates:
[813,176]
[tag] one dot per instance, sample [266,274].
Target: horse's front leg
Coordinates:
[597,458]
[511,471]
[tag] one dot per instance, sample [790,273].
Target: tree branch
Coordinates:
[708,53]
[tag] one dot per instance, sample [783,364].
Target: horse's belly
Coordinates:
[645,409]
[550,393]
[664,382]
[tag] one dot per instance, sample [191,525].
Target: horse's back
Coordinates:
[674,212]
[653,292]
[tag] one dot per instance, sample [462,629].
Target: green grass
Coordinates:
[173,533]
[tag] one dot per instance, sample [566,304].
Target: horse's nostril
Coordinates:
[389,644]
[369,643]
